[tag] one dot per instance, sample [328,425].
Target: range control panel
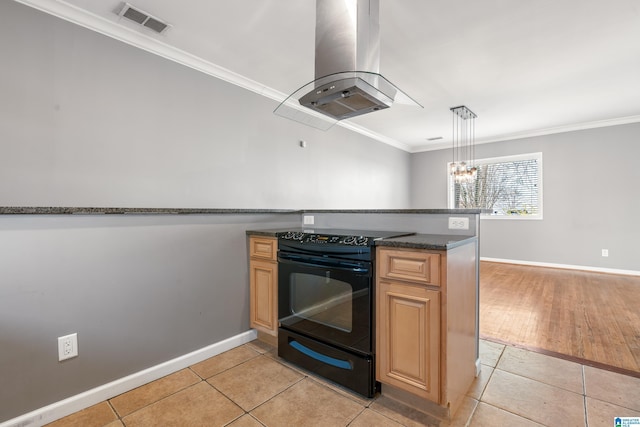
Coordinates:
[315,238]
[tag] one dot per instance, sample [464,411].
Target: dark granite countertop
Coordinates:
[401,211]
[273,232]
[62,210]
[43,210]
[426,241]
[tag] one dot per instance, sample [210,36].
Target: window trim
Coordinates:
[503,159]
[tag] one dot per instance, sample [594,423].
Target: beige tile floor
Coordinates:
[250,386]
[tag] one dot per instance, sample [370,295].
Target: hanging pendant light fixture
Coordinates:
[463,168]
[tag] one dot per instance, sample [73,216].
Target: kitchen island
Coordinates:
[426,315]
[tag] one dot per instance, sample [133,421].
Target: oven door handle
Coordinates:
[355,267]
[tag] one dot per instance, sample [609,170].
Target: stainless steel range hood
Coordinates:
[347,39]
[345,98]
[347,64]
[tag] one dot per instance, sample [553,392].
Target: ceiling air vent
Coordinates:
[143,18]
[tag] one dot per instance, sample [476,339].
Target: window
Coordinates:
[510,186]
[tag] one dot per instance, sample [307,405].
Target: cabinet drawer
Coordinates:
[417,267]
[263,248]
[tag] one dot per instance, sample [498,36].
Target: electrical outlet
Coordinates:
[67,347]
[605,252]
[458,223]
[308,219]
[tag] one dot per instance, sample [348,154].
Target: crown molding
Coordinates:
[113,29]
[540,132]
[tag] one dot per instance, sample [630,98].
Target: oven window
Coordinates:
[323,300]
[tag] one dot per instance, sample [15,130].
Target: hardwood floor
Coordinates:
[590,316]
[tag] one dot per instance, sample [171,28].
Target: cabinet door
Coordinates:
[263,281]
[408,338]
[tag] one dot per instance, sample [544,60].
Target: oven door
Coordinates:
[327,299]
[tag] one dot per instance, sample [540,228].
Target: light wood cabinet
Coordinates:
[409,338]
[263,282]
[426,325]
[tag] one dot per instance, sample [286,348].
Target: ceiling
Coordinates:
[525,68]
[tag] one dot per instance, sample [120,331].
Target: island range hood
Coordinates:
[347,39]
[347,63]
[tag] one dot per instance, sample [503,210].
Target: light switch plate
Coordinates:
[308,219]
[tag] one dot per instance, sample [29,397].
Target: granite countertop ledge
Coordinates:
[401,211]
[62,210]
[426,241]
[271,232]
[42,210]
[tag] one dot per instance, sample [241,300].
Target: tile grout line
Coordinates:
[269,399]
[493,369]
[342,392]
[468,423]
[156,401]
[252,409]
[386,416]
[119,418]
[581,367]
[258,354]
[356,417]
[533,380]
[307,376]
[189,368]
[584,393]
[266,354]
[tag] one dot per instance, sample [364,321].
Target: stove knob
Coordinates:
[292,235]
[362,241]
[351,240]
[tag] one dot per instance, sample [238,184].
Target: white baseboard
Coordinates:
[88,398]
[564,266]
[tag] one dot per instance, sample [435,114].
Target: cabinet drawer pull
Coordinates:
[343,364]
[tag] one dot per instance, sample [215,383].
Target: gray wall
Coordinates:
[89,121]
[590,198]
[138,290]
